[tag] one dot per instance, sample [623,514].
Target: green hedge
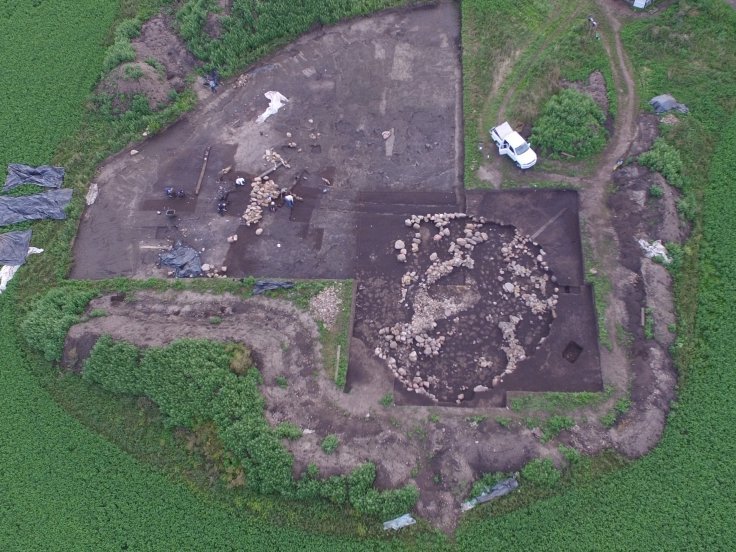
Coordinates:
[45,328]
[253,29]
[192,381]
[571,123]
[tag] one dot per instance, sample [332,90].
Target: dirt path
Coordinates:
[649,378]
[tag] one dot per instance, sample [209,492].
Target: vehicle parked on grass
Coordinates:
[511,143]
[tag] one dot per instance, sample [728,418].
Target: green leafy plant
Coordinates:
[158,66]
[655,191]
[330,444]
[648,323]
[487,481]
[47,324]
[387,400]
[476,420]
[132,72]
[666,160]
[570,123]
[542,472]
[287,430]
[571,455]
[281,382]
[504,422]
[554,425]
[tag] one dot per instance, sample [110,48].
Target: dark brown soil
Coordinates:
[469,304]
[346,85]
[595,88]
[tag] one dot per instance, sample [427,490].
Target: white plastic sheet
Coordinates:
[277,102]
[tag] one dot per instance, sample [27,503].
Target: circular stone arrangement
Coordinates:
[480,298]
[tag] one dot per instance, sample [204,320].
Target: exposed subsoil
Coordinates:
[372,117]
[158,42]
[595,88]
[443,456]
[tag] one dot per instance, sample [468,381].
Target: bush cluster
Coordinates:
[193,381]
[253,29]
[542,472]
[46,326]
[666,160]
[571,123]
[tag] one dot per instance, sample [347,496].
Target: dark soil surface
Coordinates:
[550,344]
[397,73]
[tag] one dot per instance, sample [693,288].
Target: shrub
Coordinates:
[542,472]
[157,65]
[281,382]
[655,191]
[114,365]
[330,444]
[45,328]
[133,72]
[184,378]
[571,455]
[666,160]
[127,29]
[504,422]
[287,430]
[487,481]
[571,123]
[554,425]
[119,52]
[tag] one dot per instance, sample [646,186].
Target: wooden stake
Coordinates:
[204,167]
[337,362]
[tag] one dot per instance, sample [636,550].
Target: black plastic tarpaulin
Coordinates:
[262,286]
[665,103]
[46,176]
[46,205]
[183,259]
[14,247]
[500,489]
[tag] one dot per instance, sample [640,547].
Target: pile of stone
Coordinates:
[512,348]
[263,191]
[211,271]
[523,289]
[273,157]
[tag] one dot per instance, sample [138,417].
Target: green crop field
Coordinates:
[63,486]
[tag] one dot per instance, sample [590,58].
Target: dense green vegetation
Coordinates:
[194,382]
[664,159]
[571,125]
[253,29]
